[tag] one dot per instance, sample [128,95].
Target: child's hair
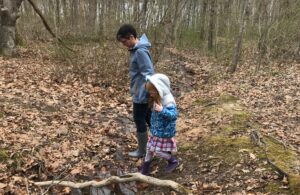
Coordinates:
[125,31]
[156,99]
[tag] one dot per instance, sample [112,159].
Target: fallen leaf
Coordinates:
[2,185]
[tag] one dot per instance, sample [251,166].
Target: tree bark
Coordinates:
[202,19]
[176,19]
[9,13]
[144,15]
[238,46]
[211,28]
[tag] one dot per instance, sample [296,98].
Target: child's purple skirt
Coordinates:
[157,144]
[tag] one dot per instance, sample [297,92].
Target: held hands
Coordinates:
[157,107]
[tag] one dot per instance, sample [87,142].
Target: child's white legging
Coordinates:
[149,155]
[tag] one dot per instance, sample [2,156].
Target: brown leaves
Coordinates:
[52,129]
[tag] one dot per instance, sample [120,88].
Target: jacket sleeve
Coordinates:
[169,112]
[144,63]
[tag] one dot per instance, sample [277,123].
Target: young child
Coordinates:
[162,141]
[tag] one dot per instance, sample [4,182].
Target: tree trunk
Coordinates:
[203,19]
[57,14]
[211,28]
[238,46]
[176,19]
[263,32]
[91,16]
[144,15]
[9,13]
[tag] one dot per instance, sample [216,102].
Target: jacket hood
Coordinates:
[143,43]
[162,84]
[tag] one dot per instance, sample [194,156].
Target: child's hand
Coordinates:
[158,107]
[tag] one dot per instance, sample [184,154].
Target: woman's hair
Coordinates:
[125,31]
[156,99]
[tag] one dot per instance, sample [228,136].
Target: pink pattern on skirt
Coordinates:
[157,144]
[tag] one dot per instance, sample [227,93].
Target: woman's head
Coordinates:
[127,35]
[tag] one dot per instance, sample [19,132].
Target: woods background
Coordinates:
[65,110]
[267,28]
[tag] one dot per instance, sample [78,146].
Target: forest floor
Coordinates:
[237,134]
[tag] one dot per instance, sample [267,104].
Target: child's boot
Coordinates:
[172,164]
[146,168]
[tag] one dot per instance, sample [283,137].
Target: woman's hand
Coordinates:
[158,107]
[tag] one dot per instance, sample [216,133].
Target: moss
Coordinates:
[213,109]
[201,102]
[240,118]
[227,148]
[225,98]
[187,146]
[282,157]
[274,188]
[294,182]
[222,146]
[3,155]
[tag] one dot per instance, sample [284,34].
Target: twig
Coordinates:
[273,138]
[115,179]
[279,170]
[27,186]
[257,139]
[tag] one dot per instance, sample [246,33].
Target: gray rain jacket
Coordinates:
[140,66]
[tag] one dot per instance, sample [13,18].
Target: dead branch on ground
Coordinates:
[115,179]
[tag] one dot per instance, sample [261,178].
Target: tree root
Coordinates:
[115,179]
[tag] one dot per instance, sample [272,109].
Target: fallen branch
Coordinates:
[122,179]
[258,140]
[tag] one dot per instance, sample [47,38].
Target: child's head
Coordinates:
[154,95]
[158,86]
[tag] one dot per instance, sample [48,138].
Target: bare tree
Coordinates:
[177,8]
[144,15]
[202,18]
[211,28]
[239,41]
[9,13]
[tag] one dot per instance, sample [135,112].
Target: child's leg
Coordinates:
[172,161]
[149,156]
[146,166]
[165,155]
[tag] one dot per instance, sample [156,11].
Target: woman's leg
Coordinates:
[140,113]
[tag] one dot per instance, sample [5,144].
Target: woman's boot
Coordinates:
[142,144]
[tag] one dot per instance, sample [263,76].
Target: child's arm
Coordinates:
[169,112]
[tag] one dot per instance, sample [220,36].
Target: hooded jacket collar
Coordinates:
[162,84]
[143,43]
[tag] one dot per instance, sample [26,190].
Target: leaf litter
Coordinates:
[78,131]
